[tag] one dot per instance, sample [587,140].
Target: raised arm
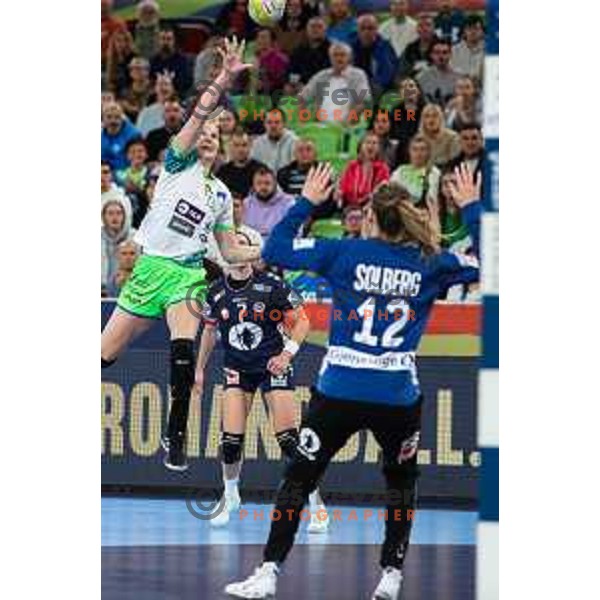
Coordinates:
[206,104]
[283,249]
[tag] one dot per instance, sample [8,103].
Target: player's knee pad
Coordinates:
[107,363]
[182,367]
[232,445]
[288,442]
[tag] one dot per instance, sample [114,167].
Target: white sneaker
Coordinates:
[389,585]
[232,503]
[261,584]
[318,525]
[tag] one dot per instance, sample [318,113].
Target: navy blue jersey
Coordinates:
[382,298]
[250,319]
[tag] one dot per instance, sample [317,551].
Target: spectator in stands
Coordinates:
[291,30]
[419,177]
[313,55]
[364,174]
[117,132]
[400,29]
[235,20]
[381,126]
[127,254]
[469,54]
[137,94]
[147,28]
[109,25]
[340,88]
[455,234]
[403,129]
[275,147]
[471,148]
[292,177]
[170,60]
[374,54]
[272,62]
[239,218]
[449,21]
[111,191]
[121,51]
[238,172]
[416,55]
[116,228]
[266,204]
[352,220]
[228,123]
[134,179]
[342,25]
[153,116]
[465,106]
[206,59]
[438,80]
[158,139]
[445,143]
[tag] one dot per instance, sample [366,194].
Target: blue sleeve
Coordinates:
[285,250]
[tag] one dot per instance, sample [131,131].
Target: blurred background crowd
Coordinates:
[394,94]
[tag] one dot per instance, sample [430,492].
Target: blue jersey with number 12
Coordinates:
[383,294]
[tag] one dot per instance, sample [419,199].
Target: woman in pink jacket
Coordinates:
[363,175]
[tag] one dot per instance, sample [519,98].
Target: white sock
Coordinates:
[231,486]
[313,502]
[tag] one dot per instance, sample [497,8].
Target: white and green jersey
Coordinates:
[188,205]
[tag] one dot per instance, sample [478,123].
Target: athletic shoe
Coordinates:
[317,525]
[175,460]
[261,584]
[389,585]
[232,502]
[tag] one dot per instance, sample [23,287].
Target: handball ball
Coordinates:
[266,12]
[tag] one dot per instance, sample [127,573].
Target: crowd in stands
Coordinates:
[393,96]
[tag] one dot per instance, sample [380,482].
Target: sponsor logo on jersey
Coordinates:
[303,244]
[189,211]
[261,287]
[181,226]
[409,447]
[258,307]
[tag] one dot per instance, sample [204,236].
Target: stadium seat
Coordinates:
[327,136]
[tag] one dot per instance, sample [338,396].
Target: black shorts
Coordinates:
[330,422]
[251,381]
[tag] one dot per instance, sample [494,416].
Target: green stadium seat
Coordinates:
[327,136]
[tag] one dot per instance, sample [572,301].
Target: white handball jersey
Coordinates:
[188,205]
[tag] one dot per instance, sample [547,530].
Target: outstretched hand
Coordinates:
[318,185]
[467,188]
[233,56]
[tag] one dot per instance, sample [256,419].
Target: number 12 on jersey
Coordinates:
[390,337]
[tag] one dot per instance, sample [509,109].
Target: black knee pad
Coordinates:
[107,363]
[182,367]
[232,445]
[288,442]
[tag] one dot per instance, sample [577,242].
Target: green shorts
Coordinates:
[156,283]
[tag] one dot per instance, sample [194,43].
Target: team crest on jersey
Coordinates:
[245,336]
[409,447]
